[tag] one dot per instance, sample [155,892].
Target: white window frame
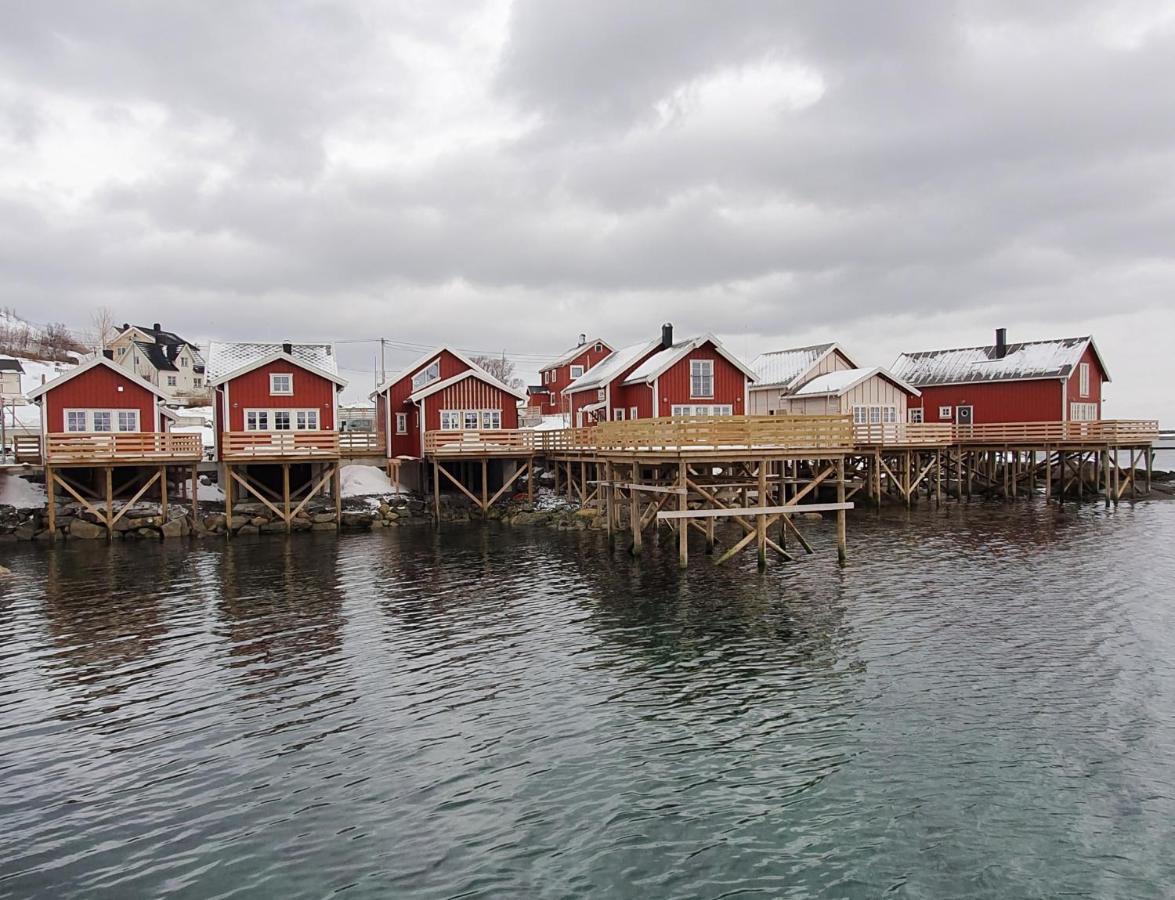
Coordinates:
[599,348]
[618,414]
[576,372]
[1083,379]
[118,420]
[265,420]
[491,419]
[701,370]
[401,423]
[172,381]
[946,412]
[273,388]
[80,417]
[914,414]
[427,375]
[688,409]
[632,412]
[87,418]
[184,361]
[303,418]
[1082,412]
[450,420]
[283,416]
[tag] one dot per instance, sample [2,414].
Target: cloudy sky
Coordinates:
[503,176]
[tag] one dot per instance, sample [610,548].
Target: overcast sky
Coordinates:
[503,176]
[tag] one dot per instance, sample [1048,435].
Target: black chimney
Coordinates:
[667,335]
[157,327]
[126,326]
[108,353]
[1001,343]
[288,348]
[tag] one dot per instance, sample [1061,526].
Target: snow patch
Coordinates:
[365,481]
[16,491]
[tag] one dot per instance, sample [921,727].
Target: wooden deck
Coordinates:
[114,448]
[279,446]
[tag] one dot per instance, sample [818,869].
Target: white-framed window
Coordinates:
[402,423]
[197,381]
[915,415]
[281,383]
[1083,379]
[1083,412]
[875,415]
[127,419]
[618,414]
[122,351]
[184,361]
[427,375]
[471,419]
[75,420]
[307,419]
[491,418]
[701,378]
[946,412]
[860,415]
[257,420]
[632,412]
[450,420]
[576,372]
[282,420]
[721,409]
[171,381]
[101,420]
[599,348]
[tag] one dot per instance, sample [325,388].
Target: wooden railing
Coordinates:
[1116,432]
[906,434]
[361,443]
[26,448]
[722,432]
[254,445]
[122,446]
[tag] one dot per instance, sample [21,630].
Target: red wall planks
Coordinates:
[98,388]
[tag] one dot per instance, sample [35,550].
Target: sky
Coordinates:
[502,176]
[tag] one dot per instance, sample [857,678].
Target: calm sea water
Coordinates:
[982,704]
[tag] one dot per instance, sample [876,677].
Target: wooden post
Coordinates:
[51,492]
[1106,474]
[938,478]
[109,498]
[1048,476]
[436,491]
[607,486]
[530,480]
[286,494]
[163,494]
[1150,460]
[336,488]
[683,525]
[761,519]
[195,494]
[228,500]
[842,553]
[634,510]
[485,485]
[558,472]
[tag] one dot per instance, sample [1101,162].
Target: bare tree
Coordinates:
[102,329]
[500,367]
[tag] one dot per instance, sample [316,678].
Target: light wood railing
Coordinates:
[26,448]
[361,443]
[148,446]
[723,432]
[282,445]
[1114,432]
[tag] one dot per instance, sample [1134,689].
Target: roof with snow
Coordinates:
[477,372]
[603,372]
[787,368]
[969,365]
[575,351]
[841,382]
[230,358]
[11,365]
[661,361]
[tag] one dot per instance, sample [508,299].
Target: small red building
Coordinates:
[441,391]
[555,376]
[1035,381]
[98,397]
[694,377]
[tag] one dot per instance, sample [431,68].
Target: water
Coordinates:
[981,705]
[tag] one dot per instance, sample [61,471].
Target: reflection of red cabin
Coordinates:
[99,397]
[1037,381]
[283,397]
[558,374]
[695,377]
[441,391]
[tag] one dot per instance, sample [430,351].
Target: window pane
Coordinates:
[102,421]
[281,421]
[128,420]
[471,421]
[75,421]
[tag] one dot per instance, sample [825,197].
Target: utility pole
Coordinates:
[383,360]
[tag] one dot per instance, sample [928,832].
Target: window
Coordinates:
[281,420]
[632,412]
[916,415]
[491,418]
[100,420]
[257,420]
[945,412]
[1083,412]
[601,395]
[402,423]
[197,381]
[450,420]
[75,420]
[701,381]
[472,420]
[875,415]
[171,381]
[184,361]
[860,415]
[128,420]
[427,375]
[599,348]
[281,383]
[686,410]
[576,372]
[122,351]
[1083,379]
[307,420]
[618,414]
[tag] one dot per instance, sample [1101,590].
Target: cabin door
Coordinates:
[963,415]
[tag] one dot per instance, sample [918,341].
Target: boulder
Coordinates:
[214,523]
[247,529]
[324,517]
[324,526]
[86,531]
[175,528]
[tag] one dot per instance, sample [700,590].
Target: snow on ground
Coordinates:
[365,481]
[551,423]
[209,491]
[16,491]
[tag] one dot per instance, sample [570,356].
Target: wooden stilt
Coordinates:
[761,519]
[436,492]
[163,493]
[286,494]
[195,494]
[530,480]
[109,499]
[51,500]
[683,505]
[1048,475]
[336,489]
[228,500]
[842,553]
[634,511]
[608,498]
[485,485]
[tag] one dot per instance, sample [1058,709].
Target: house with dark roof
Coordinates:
[10,372]
[164,359]
[1057,380]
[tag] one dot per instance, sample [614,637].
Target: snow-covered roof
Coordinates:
[969,365]
[575,351]
[94,362]
[660,362]
[787,368]
[476,372]
[603,372]
[422,361]
[842,381]
[228,359]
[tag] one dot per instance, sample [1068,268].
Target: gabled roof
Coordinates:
[157,355]
[536,389]
[423,361]
[575,351]
[660,362]
[157,334]
[839,383]
[11,365]
[786,368]
[477,372]
[972,365]
[603,372]
[93,363]
[230,359]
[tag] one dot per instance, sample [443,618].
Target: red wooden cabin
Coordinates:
[556,375]
[698,376]
[1035,381]
[274,401]
[441,391]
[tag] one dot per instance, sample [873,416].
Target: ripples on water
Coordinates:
[981,704]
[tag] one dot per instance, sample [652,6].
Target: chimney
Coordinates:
[1001,343]
[156,327]
[108,353]
[582,340]
[126,326]
[667,335]
[288,348]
